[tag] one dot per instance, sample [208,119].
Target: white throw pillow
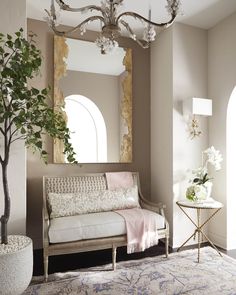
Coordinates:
[68,204]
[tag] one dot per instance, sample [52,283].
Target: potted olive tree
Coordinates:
[24,115]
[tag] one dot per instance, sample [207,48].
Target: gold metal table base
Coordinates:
[199,227]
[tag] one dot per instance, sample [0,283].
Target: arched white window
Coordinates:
[88,129]
[231,164]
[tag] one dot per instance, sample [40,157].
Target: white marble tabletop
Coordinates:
[210,203]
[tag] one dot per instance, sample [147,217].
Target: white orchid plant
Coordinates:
[200,176]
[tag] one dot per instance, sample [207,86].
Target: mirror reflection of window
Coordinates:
[79,68]
[90,143]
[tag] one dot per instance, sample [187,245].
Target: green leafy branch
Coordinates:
[24,111]
[202,180]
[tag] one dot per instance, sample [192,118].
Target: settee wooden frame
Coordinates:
[67,184]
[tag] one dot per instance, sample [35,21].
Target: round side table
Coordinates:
[206,205]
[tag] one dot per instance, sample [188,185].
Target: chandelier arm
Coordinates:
[144,44]
[64,33]
[50,15]
[66,7]
[136,15]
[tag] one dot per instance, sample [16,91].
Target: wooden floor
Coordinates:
[63,263]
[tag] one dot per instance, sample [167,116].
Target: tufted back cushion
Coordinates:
[74,184]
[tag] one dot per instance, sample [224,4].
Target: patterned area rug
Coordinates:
[179,274]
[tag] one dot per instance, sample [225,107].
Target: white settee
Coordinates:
[88,231]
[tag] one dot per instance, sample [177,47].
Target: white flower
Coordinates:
[196,192]
[200,180]
[199,171]
[200,175]
[214,157]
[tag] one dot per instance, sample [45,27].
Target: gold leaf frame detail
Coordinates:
[61,51]
[126,110]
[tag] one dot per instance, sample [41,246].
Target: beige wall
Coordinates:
[203,65]
[103,90]
[141,129]
[221,82]
[161,121]
[189,80]
[12,18]
[178,72]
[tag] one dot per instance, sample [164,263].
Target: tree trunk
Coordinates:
[7,204]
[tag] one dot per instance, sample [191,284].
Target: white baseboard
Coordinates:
[218,240]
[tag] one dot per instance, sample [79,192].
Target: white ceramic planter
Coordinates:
[208,186]
[16,267]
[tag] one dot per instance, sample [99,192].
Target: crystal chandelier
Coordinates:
[111,22]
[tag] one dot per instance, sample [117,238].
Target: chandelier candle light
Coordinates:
[111,22]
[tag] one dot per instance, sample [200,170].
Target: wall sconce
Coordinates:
[196,106]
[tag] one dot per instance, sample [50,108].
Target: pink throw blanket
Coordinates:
[119,180]
[141,229]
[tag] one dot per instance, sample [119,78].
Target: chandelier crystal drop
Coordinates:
[112,22]
[105,44]
[149,34]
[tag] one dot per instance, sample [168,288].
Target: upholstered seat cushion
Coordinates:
[90,226]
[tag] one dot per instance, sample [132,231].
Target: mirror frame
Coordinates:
[61,52]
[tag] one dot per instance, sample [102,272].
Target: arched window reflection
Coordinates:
[88,129]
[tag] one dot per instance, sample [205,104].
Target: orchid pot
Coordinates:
[201,185]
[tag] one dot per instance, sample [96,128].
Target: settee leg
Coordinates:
[114,257]
[167,246]
[45,260]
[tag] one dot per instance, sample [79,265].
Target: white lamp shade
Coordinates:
[198,106]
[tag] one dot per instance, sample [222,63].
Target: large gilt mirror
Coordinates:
[96,92]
